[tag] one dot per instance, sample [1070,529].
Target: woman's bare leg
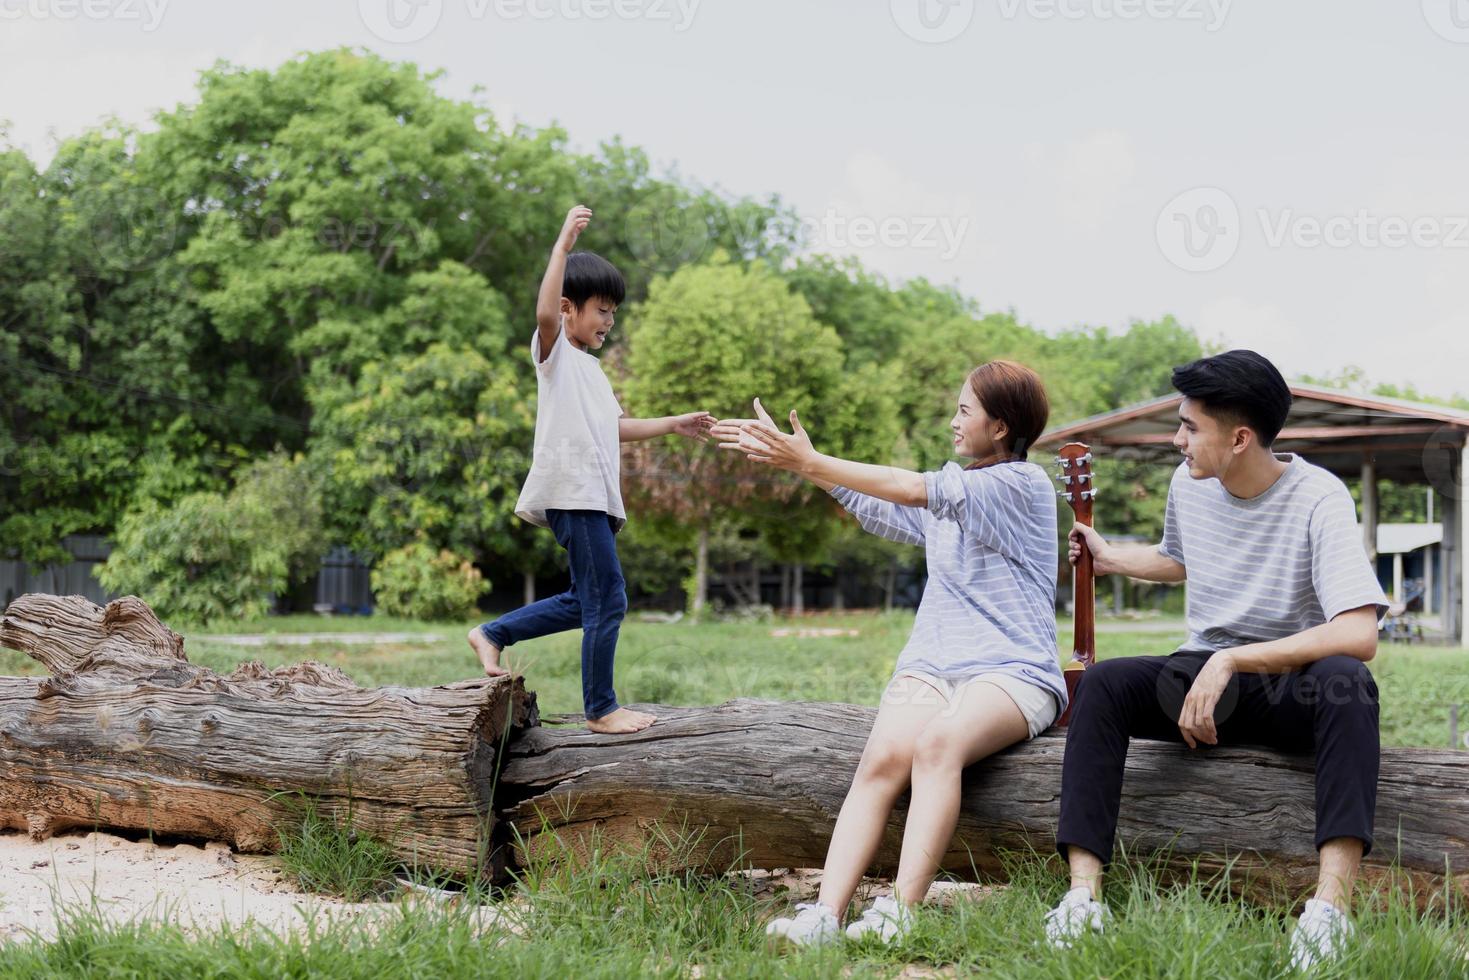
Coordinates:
[907,706]
[982,720]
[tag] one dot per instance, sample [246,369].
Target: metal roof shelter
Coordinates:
[1366,436]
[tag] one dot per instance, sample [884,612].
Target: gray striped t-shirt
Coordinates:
[989,536]
[1271,566]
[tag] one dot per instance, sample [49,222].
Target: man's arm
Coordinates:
[548,300]
[1353,633]
[1141,561]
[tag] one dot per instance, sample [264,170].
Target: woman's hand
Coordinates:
[762,441]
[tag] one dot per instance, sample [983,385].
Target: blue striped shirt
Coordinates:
[989,537]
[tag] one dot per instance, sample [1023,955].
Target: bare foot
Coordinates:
[489,654]
[623,721]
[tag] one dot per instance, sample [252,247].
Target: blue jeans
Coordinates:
[596,602]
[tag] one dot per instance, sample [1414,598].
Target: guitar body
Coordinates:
[1075,460]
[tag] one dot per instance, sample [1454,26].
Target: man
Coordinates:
[1283,609]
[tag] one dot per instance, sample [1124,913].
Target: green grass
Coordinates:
[610,918]
[330,858]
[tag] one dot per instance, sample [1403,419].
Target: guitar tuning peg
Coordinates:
[1064,493]
[1065,464]
[1064,478]
[1083,477]
[1084,459]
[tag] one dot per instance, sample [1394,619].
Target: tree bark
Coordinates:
[701,573]
[530,588]
[798,597]
[127,733]
[759,784]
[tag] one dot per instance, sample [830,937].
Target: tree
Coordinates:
[712,337]
[100,349]
[433,444]
[212,556]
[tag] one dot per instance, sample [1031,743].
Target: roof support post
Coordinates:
[1369,507]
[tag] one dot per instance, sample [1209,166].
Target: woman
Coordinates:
[980,670]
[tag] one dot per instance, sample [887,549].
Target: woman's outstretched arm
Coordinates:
[760,440]
[884,518]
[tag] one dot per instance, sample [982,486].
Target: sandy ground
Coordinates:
[204,888]
[197,888]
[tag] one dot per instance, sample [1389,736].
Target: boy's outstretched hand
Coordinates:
[576,222]
[695,425]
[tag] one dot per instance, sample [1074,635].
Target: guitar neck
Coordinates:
[1084,643]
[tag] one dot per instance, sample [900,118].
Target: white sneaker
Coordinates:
[887,919]
[1070,920]
[813,925]
[1321,935]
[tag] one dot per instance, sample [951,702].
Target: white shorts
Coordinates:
[1037,704]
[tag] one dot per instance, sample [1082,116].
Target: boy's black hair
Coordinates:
[1240,386]
[588,275]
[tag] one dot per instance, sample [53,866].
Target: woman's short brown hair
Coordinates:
[1015,395]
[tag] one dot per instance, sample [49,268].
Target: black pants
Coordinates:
[1329,707]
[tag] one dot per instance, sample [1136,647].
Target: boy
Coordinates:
[573,487]
[1282,617]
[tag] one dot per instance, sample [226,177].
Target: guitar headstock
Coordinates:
[1075,460]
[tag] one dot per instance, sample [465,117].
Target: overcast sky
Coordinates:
[1289,175]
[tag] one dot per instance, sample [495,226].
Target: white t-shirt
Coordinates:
[1270,566]
[577,460]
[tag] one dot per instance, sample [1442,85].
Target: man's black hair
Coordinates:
[590,276]
[1239,385]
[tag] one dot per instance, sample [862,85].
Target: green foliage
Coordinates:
[213,556]
[713,337]
[434,444]
[99,349]
[420,582]
[872,315]
[252,274]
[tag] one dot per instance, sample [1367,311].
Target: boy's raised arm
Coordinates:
[548,300]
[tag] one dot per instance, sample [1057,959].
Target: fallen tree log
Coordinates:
[759,783]
[127,733]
